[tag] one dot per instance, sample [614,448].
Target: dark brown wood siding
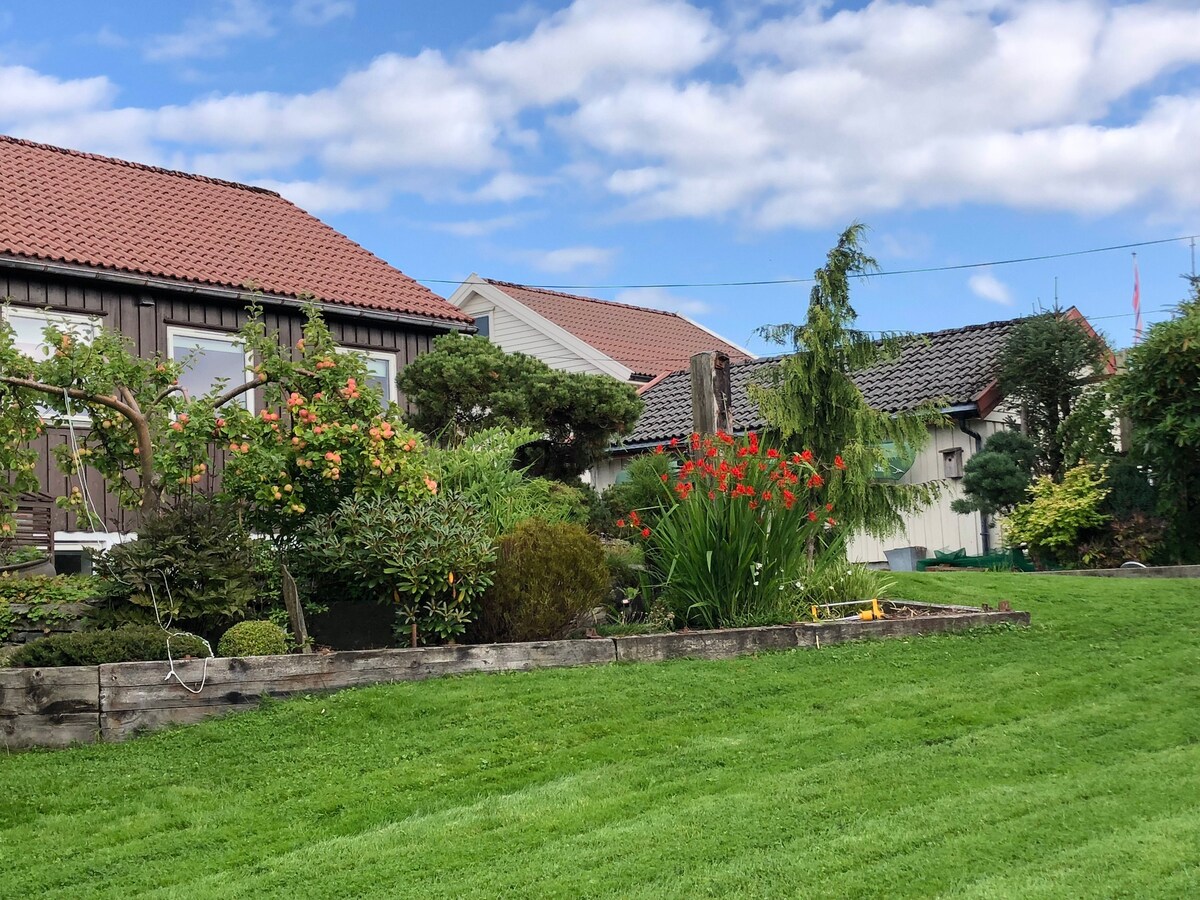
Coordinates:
[144,315]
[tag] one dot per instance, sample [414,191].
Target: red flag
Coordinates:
[1137,304]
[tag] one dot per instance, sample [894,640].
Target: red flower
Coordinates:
[674,442]
[658,449]
[710,452]
[831,521]
[828,507]
[815,480]
[839,462]
[773,453]
[620,523]
[712,495]
[635,518]
[812,516]
[766,495]
[664,476]
[807,456]
[753,504]
[646,531]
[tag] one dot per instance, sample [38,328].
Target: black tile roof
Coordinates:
[954,366]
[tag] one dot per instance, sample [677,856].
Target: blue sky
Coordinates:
[631,142]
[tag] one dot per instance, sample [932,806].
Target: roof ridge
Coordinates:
[539,290]
[160,170]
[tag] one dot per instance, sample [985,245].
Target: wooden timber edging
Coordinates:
[82,704]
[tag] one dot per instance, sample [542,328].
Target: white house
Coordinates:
[583,334]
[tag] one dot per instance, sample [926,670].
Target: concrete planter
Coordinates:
[58,707]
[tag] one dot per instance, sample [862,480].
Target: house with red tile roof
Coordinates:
[584,334]
[173,260]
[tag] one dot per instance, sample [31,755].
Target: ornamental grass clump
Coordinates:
[740,523]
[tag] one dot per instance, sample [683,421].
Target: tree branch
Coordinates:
[76,394]
[234,393]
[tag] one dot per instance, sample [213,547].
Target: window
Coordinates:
[210,359]
[381,373]
[28,325]
[484,324]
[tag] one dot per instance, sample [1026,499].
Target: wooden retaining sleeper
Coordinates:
[81,704]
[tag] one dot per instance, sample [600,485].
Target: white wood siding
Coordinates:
[937,527]
[515,336]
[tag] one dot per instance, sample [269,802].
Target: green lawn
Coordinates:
[1058,761]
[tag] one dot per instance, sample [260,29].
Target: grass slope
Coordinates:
[1058,761]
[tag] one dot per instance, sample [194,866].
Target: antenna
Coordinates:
[1193,258]
[1056,292]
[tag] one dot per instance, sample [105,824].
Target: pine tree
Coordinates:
[811,402]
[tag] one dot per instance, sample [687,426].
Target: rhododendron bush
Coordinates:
[738,524]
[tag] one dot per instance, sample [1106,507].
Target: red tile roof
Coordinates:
[65,206]
[647,341]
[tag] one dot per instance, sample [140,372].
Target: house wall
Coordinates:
[937,527]
[517,336]
[144,316]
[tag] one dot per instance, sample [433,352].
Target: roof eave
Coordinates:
[233,294]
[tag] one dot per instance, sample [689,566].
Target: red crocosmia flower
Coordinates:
[812,516]
[674,442]
[831,520]
[773,453]
[815,480]
[762,467]
[635,518]
[753,504]
[839,462]
[712,495]
[658,449]
[767,495]
[743,451]
[807,456]
[646,531]
[710,452]
[828,507]
[620,523]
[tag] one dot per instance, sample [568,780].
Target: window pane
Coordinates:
[28,328]
[209,360]
[484,324]
[379,376]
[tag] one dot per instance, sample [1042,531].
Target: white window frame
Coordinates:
[174,331]
[387,356]
[56,317]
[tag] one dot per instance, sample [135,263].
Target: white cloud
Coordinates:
[321,12]
[478,227]
[991,288]
[207,36]
[594,43]
[325,197]
[568,259]
[26,94]
[504,187]
[660,298]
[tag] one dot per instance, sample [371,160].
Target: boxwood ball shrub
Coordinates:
[253,638]
[130,643]
[546,575]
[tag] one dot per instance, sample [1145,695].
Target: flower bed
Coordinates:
[81,704]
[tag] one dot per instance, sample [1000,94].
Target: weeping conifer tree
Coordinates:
[811,402]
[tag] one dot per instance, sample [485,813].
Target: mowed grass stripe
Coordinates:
[944,764]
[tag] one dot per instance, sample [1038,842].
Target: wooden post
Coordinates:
[291,600]
[712,393]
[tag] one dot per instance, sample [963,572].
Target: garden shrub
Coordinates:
[46,597]
[193,561]
[547,574]
[253,638]
[1058,515]
[130,643]
[738,528]
[431,558]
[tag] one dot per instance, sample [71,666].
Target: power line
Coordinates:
[780,281]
